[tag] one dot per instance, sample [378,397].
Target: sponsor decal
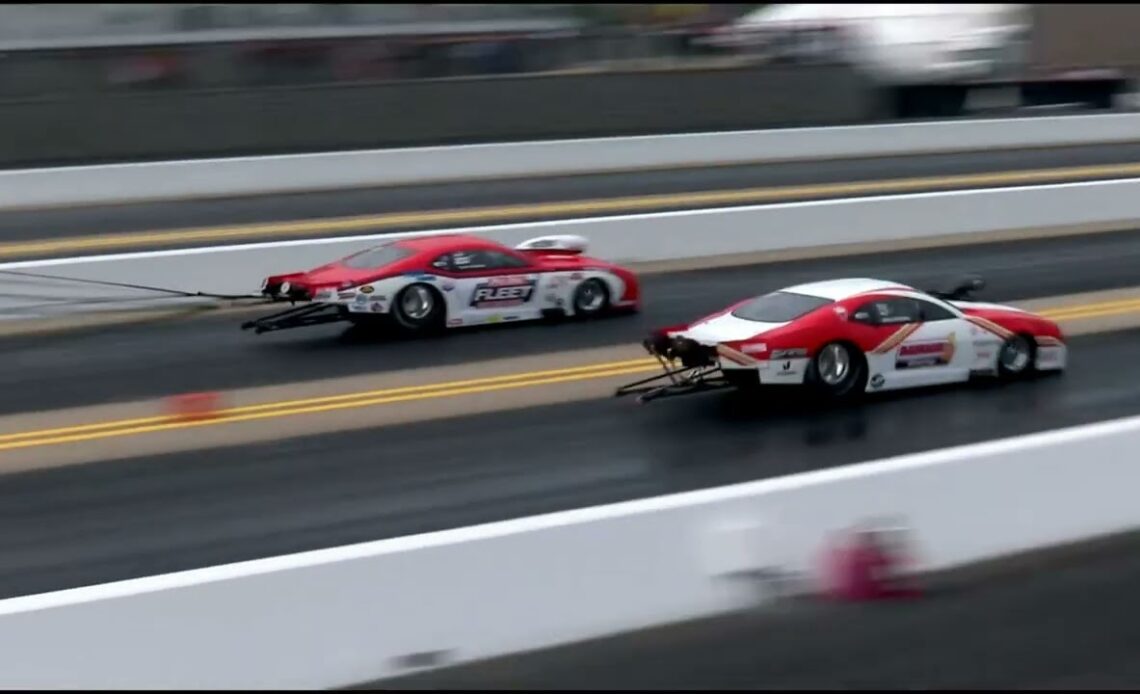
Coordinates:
[361,298]
[877,381]
[377,308]
[841,312]
[423,277]
[494,318]
[503,291]
[448,286]
[786,369]
[789,353]
[367,289]
[455,321]
[323,294]
[896,338]
[923,354]
[510,318]
[758,348]
[345,295]
[576,276]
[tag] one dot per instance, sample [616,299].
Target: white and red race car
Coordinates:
[432,283]
[850,336]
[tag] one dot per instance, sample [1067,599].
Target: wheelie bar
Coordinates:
[298,317]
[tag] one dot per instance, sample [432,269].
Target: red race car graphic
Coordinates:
[849,336]
[448,281]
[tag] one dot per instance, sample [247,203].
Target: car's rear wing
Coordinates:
[563,244]
[961,291]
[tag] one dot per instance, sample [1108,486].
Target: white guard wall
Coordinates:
[123,183]
[348,615]
[626,238]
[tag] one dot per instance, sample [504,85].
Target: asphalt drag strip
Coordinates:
[139,516]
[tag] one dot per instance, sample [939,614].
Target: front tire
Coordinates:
[591,299]
[1016,358]
[418,308]
[838,371]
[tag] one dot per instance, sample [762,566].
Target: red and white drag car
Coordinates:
[850,336]
[453,280]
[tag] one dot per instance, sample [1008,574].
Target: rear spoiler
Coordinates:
[565,244]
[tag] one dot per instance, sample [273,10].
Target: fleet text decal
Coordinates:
[497,292]
[920,354]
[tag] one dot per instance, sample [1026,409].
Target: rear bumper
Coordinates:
[737,367]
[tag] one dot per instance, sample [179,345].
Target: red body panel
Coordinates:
[1018,322]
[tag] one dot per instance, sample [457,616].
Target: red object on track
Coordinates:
[194,406]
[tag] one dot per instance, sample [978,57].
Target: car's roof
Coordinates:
[446,242]
[840,289]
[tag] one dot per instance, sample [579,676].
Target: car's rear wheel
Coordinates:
[418,308]
[591,298]
[1016,358]
[837,371]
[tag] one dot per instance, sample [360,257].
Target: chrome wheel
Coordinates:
[1016,356]
[834,364]
[417,302]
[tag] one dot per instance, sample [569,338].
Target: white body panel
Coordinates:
[936,353]
[725,328]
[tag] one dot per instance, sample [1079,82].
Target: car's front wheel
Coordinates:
[591,298]
[1016,358]
[837,371]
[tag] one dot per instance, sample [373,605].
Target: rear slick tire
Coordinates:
[838,372]
[418,309]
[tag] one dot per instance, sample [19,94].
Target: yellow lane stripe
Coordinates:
[330,403]
[1065,311]
[324,408]
[505,213]
[425,390]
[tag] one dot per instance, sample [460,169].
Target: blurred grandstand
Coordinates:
[52,48]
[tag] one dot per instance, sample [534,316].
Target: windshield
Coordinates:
[779,307]
[376,257]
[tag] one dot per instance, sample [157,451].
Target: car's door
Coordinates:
[492,286]
[926,344]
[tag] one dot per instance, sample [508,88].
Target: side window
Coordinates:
[473,261]
[499,260]
[934,312]
[897,311]
[467,261]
